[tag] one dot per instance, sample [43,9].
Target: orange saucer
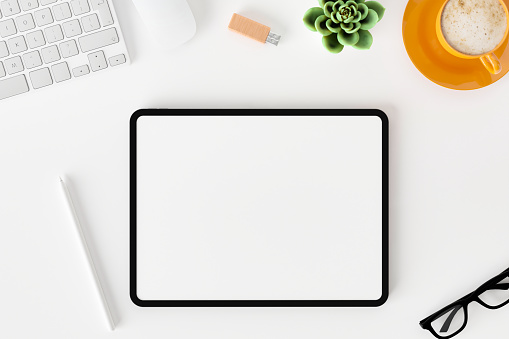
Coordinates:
[433,61]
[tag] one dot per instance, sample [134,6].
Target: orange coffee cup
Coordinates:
[489,59]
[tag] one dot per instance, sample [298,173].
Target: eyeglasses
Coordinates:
[453,318]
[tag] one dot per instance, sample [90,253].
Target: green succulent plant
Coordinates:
[344,23]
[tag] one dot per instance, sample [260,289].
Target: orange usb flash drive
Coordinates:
[253,29]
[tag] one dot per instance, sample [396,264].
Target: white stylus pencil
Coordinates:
[90,261]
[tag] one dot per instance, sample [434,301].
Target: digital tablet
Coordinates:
[258,208]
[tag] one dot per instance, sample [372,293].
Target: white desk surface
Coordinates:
[449,162]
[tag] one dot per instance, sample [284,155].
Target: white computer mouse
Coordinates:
[171,22]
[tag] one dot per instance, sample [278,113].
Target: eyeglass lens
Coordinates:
[497,295]
[450,322]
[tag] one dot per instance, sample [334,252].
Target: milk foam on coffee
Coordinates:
[473,26]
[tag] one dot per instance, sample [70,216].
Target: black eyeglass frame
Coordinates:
[464,302]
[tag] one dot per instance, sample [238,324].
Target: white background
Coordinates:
[449,212]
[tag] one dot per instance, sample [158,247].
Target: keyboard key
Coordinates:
[61,72]
[13,86]
[10,7]
[62,11]
[117,60]
[2,70]
[72,28]
[35,39]
[17,44]
[13,65]
[3,49]
[50,54]
[98,40]
[41,78]
[104,11]
[69,48]
[54,33]
[7,28]
[90,23]
[80,7]
[79,71]
[97,61]
[28,5]
[47,2]
[32,59]
[43,17]
[25,22]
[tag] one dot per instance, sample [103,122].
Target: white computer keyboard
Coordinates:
[49,42]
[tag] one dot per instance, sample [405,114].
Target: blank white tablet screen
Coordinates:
[259,208]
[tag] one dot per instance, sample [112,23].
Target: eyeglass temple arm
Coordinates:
[503,286]
[447,323]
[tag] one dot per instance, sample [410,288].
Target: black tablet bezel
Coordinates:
[259,303]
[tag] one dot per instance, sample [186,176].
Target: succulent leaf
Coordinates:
[357,17]
[310,17]
[348,20]
[322,2]
[357,26]
[327,8]
[332,26]
[340,3]
[321,25]
[377,7]
[348,39]
[370,21]
[337,6]
[365,40]
[332,44]
[347,27]
[363,9]
[333,18]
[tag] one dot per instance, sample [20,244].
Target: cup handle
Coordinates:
[491,62]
